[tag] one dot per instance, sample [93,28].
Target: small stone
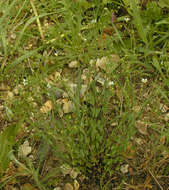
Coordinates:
[56,92]
[68,186]
[73,64]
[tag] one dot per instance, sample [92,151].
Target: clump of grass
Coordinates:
[100,135]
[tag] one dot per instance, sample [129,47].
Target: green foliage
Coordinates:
[135,12]
[7,141]
[93,145]
[153,12]
[164,3]
[94,137]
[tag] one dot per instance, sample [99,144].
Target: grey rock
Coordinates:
[56,92]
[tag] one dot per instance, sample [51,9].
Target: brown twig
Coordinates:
[155,179]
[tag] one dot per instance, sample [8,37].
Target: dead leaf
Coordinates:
[115,58]
[10,95]
[73,64]
[142,127]
[24,149]
[28,186]
[124,168]
[54,76]
[65,169]
[57,188]
[47,107]
[102,63]
[67,106]
[166,117]
[100,80]
[163,140]
[4,87]
[59,103]
[9,187]
[76,185]
[130,170]
[139,141]
[163,108]
[136,109]
[22,171]
[73,174]
[13,36]
[11,170]
[1,107]
[83,90]
[129,153]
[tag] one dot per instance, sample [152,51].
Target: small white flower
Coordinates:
[25,82]
[111,83]
[94,21]
[126,19]
[56,54]
[144,80]
[48,85]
